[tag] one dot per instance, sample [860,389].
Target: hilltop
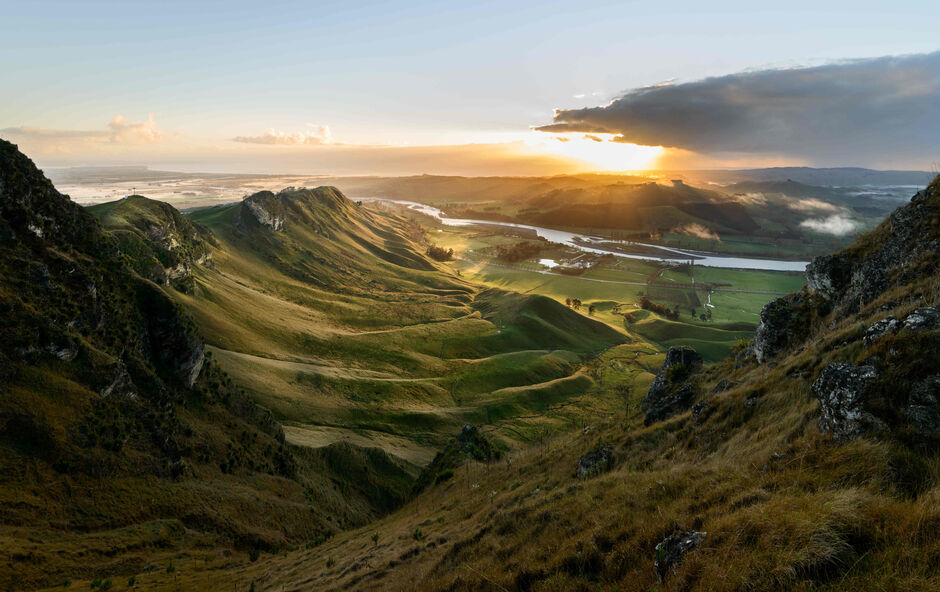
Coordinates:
[159,243]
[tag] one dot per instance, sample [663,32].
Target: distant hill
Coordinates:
[841,176]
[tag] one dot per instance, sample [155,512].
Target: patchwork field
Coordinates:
[616,285]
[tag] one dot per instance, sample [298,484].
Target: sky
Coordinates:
[471,87]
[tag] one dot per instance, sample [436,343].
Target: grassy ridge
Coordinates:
[339,323]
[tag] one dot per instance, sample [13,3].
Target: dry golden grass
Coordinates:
[784,508]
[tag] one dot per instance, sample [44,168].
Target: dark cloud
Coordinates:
[846,110]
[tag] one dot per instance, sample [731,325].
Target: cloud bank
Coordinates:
[848,111]
[317,134]
[118,131]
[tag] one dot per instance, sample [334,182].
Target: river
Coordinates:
[582,242]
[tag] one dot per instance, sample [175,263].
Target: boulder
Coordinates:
[842,390]
[670,404]
[780,325]
[829,275]
[670,392]
[879,330]
[699,411]
[923,408]
[596,461]
[723,385]
[922,319]
[672,549]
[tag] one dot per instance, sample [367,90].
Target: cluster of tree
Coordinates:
[576,304]
[440,253]
[518,252]
[660,309]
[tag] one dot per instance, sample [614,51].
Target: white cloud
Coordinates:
[838,225]
[119,131]
[315,134]
[812,204]
[125,132]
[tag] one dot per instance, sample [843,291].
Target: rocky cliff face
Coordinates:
[263,208]
[905,247]
[316,208]
[159,243]
[104,380]
[68,297]
[902,247]
[887,378]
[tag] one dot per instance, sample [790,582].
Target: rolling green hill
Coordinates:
[330,315]
[808,461]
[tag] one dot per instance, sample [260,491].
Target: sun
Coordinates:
[599,151]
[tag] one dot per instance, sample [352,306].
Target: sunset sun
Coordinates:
[600,151]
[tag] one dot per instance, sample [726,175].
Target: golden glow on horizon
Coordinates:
[598,150]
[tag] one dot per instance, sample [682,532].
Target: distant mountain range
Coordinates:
[839,177]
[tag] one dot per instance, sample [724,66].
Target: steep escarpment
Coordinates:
[318,236]
[878,299]
[114,421]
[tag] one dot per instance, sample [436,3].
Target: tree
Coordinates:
[440,253]
[568,302]
[591,310]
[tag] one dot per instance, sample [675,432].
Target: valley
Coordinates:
[469,296]
[300,390]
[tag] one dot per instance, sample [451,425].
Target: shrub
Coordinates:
[647,304]
[443,476]
[739,346]
[677,372]
[440,253]
[518,252]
